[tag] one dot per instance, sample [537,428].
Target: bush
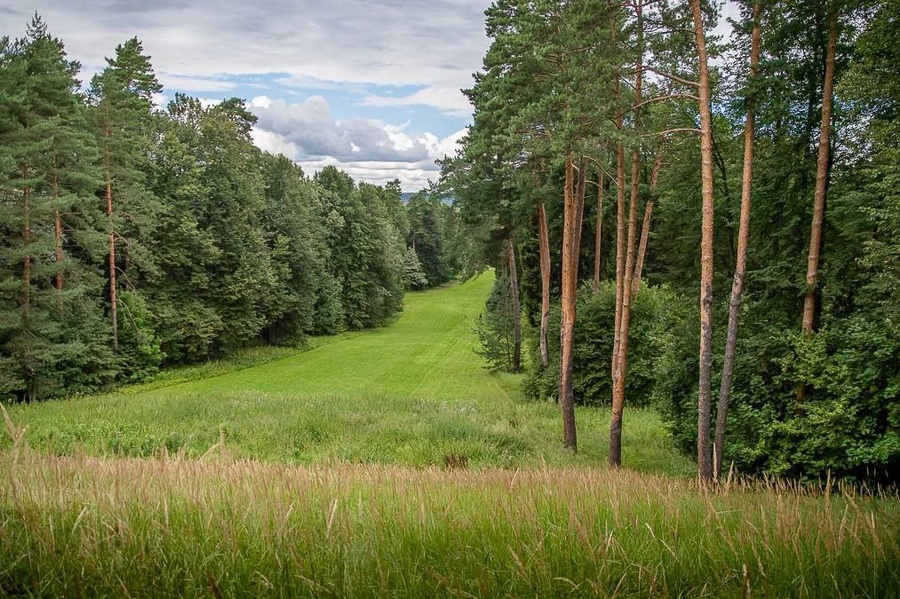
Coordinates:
[658,317]
[494,327]
[848,421]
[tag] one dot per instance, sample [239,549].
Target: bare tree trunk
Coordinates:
[517,308]
[740,270]
[620,214]
[544,241]
[567,312]
[815,237]
[113,300]
[620,368]
[598,257]
[704,404]
[26,241]
[645,227]
[57,230]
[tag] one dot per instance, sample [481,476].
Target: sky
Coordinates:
[371,86]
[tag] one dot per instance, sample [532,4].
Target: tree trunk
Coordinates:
[598,257]
[620,367]
[57,231]
[815,237]
[517,308]
[704,458]
[544,240]
[567,308]
[113,299]
[620,212]
[26,241]
[645,227]
[740,270]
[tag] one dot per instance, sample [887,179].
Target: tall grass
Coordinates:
[81,526]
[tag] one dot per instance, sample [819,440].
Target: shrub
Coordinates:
[658,317]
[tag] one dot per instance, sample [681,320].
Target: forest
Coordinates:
[136,238]
[624,162]
[621,158]
[640,338]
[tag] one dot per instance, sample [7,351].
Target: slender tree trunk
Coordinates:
[26,241]
[57,230]
[517,307]
[544,240]
[704,457]
[645,227]
[598,257]
[113,300]
[815,237]
[573,206]
[740,270]
[620,214]
[620,366]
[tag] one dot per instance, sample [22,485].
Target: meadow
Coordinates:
[337,471]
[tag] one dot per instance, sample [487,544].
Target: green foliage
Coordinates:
[140,355]
[494,327]
[413,275]
[661,318]
[217,245]
[429,220]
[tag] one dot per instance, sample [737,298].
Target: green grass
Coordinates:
[408,394]
[321,473]
[85,527]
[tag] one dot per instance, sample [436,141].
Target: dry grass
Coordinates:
[82,526]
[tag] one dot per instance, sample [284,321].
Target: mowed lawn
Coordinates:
[413,393]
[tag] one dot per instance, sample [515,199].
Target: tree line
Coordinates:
[628,159]
[134,238]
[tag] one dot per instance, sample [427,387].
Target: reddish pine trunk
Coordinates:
[572,218]
[620,349]
[57,230]
[815,237]
[704,458]
[544,241]
[740,270]
[567,314]
[26,241]
[598,258]
[113,300]
[517,308]
[645,227]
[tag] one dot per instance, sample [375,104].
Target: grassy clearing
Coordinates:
[82,526]
[409,394]
[318,474]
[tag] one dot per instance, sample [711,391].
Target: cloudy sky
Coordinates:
[370,85]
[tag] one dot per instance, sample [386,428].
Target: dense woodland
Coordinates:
[136,237]
[622,165]
[626,163]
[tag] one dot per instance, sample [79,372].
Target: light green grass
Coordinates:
[82,527]
[408,394]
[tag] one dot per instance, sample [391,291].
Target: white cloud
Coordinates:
[445,98]
[367,149]
[436,44]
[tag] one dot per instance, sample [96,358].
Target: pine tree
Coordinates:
[49,179]
[122,102]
